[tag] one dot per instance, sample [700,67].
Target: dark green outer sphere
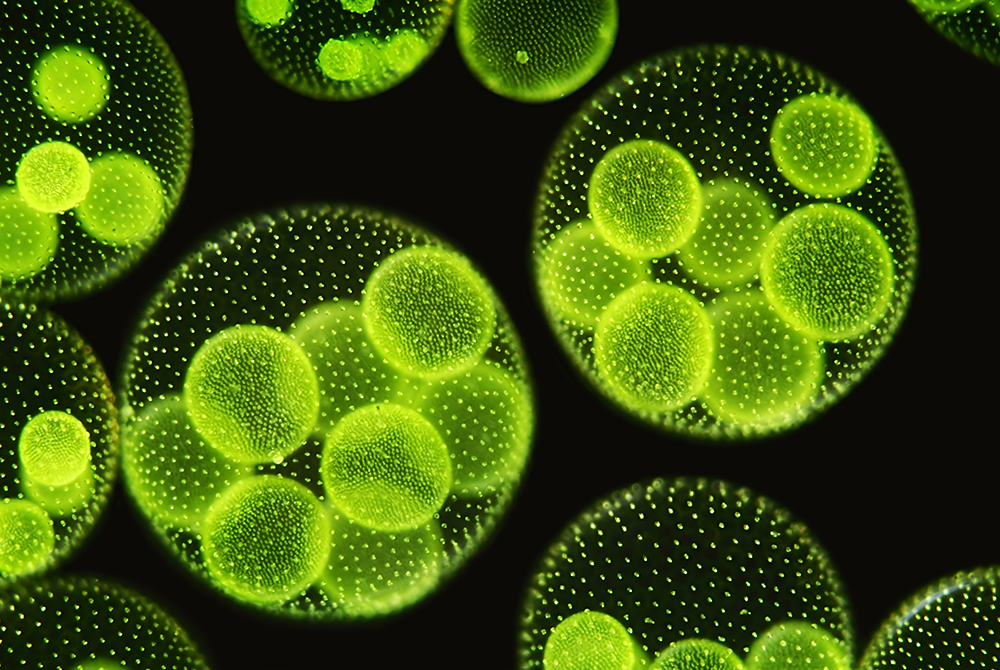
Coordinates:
[975,28]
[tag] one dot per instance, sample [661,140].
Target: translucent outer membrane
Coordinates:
[972,24]
[673,560]
[447,448]
[952,624]
[342,49]
[96,75]
[717,107]
[75,622]
[46,367]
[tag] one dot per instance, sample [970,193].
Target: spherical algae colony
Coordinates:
[683,560]
[292,450]
[90,624]
[952,624]
[764,201]
[58,441]
[342,49]
[974,25]
[590,640]
[697,654]
[96,144]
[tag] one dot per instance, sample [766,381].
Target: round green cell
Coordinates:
[53,177]
[797,645]
[828,272]
[125,201]
[765,375]
[26,537]
[535,50]
[580,273]
[726,247]
[266,539]
[70,84]
[823,145]
[28,238]
[428,311]
[697,654]
[653,347]
[268,13]
[386,467]
[252,394]
[54,448]
[589,640]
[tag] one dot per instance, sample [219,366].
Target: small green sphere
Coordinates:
[797,645]
[589,640]
[125,203]
[343,60]
[697,654]
[645,197]
[726,248]
[428,311]
[252,393]
[269,13]
[535,50]
[828,272]
[54,448]
[653,347]
[27,537]
[53,177]
[28,238]
[386,468]
[266,539]
[823,145]
[70,84]
[579,273]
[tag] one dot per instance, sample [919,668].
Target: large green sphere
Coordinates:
[797,645]
[53,177]
[125,202]
[71,84]
[589,640]
[54,448]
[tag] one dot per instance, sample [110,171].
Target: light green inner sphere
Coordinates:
[589,640]
[797,646]
[54,448]
[428,311]
[824,146]
[645,197]
[345,60]
[266,539]
[53,177]
[70,84]
[28,238]
[252,393]
[697,654]
[26,537]
[269,13]
[386,467]
[653,347]
[828,272]
[125,202]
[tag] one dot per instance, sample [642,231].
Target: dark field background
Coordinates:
[896,481]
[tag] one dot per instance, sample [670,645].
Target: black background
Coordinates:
[895,480]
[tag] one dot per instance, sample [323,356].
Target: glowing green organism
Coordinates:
[828,272]
[535,51]
[54,448]
[71,84]
[252,394]
[697,654]
[823,145]
[972,24]
[53,177]
[653,347]
[26,537]
[266,539]
[798,646]
[125,202]
[590,640]
[645,198]
[342,49]
[28,238]
[428,311]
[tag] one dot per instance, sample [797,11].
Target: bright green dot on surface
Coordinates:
[797,646]
[358,6]
[945,6]
[53,177]
[269,13]
[579,273]
[343,60]
[653,347]
[993,7]
[428,311]
[589,640]
[828,272]
[102,663]
[824,146]
[568,42]
[266,539]
[70,84]
[726,246]
[172,473]
[54,448]
[764,373]
[125,202]
[386,467]
[26,536]
[697,654]
[645,197]
[28,238]
[252,393]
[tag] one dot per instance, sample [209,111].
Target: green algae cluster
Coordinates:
[974,25]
